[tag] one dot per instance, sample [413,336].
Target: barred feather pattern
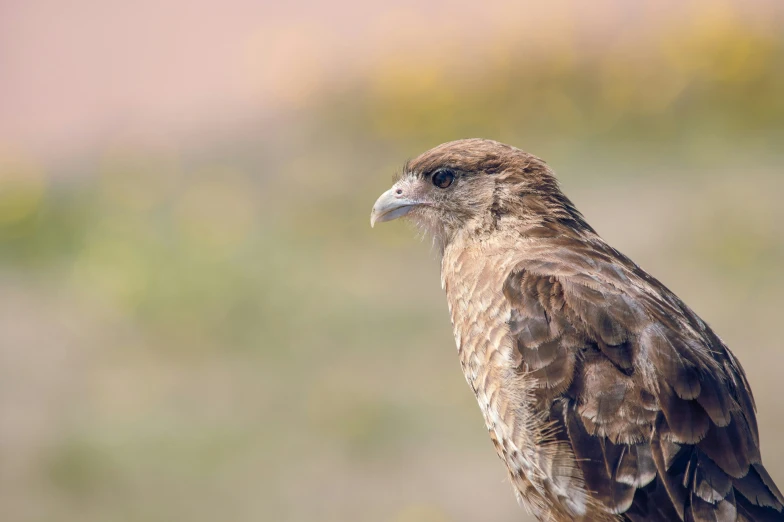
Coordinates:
[606,397]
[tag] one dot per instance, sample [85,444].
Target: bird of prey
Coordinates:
[604,394]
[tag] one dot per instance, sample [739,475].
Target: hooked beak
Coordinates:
[392,204]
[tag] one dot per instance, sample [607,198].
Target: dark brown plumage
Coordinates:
[604,394]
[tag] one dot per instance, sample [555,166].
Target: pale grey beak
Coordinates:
[392,204]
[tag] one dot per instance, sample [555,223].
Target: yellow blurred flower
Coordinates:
[22,187]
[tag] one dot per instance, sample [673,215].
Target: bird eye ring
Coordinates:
[443,178]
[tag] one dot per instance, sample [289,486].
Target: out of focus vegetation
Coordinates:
[213,333]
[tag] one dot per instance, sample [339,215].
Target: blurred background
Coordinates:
[196,320]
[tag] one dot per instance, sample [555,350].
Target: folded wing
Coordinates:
[655,408]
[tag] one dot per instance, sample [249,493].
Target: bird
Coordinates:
[604,394]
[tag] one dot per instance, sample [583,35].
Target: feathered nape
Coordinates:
[529,189]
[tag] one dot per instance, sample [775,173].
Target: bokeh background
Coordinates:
[196,320]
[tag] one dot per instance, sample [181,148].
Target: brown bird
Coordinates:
[604,394]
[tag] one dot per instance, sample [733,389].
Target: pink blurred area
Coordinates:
[78,74]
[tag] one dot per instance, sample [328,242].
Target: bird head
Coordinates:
[473,185]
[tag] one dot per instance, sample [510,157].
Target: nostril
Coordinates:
[399,191]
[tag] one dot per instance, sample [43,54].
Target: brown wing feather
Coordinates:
[656,409]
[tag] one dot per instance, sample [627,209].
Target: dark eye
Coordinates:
[443,178]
